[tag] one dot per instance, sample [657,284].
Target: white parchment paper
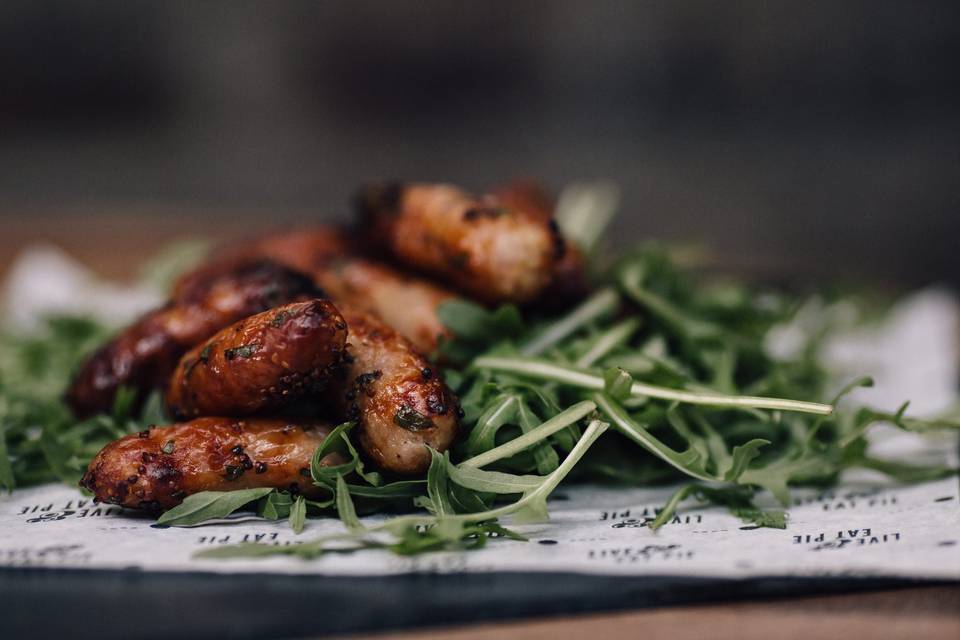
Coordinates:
[864,527]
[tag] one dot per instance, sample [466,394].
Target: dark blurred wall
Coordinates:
[818,134]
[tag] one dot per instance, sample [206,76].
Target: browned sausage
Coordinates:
[157,468]
[406,303]
[495,253]
[296,249]
[299,249]
[262,362]
[143,355]
[569,281]
[395,395]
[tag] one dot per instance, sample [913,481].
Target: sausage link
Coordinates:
[143,355]
[395,395]
[407,303]
[569,282]
[495,253]
[262,362]
[302,249]
[157,468]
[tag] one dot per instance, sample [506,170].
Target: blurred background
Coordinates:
[812,138]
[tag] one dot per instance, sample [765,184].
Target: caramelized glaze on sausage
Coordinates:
[143,355]
[157,468]
[395,395]
[260,363]
[492,252]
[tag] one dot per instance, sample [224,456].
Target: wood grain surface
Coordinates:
[910,614]
[112,242]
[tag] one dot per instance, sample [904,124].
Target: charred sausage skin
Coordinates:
[260,363]
[407,303]
[495,253]
[395,395]
[157,468]
[143,355]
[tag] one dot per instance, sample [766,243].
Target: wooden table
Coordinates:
[113,244]
[911,614]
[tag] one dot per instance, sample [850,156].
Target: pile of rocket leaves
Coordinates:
[658,377]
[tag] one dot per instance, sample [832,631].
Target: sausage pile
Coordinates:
[260,350]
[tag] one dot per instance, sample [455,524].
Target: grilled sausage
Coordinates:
[569,281]
[494,253]
[407,303]
[398,400]
[262,362]
[298,249]
[143,355]
[157,468]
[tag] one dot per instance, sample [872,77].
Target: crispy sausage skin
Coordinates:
[143,355]
[262,362]
[569,282]
[397,398]
[407,303]
[157,468]
[494,253]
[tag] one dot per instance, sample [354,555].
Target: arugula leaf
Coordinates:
[602,303]
[866,417]
[58,457]
[544,455]
[390,491]
[608,341]
[501,411]
[275,505]
[437,489]
[475,328]
[560,421]
[298,515]
[689,328]
[489,481]
[690,462]
[564,374]
[769,518]
[468,320]
[7,479]
[905,472]
[778,474]
[742,455]
[345,508]
[336,442]
[208,505]
[617,383]
[737,499]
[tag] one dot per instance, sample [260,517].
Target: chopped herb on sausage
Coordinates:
[409,418]
[243,351]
